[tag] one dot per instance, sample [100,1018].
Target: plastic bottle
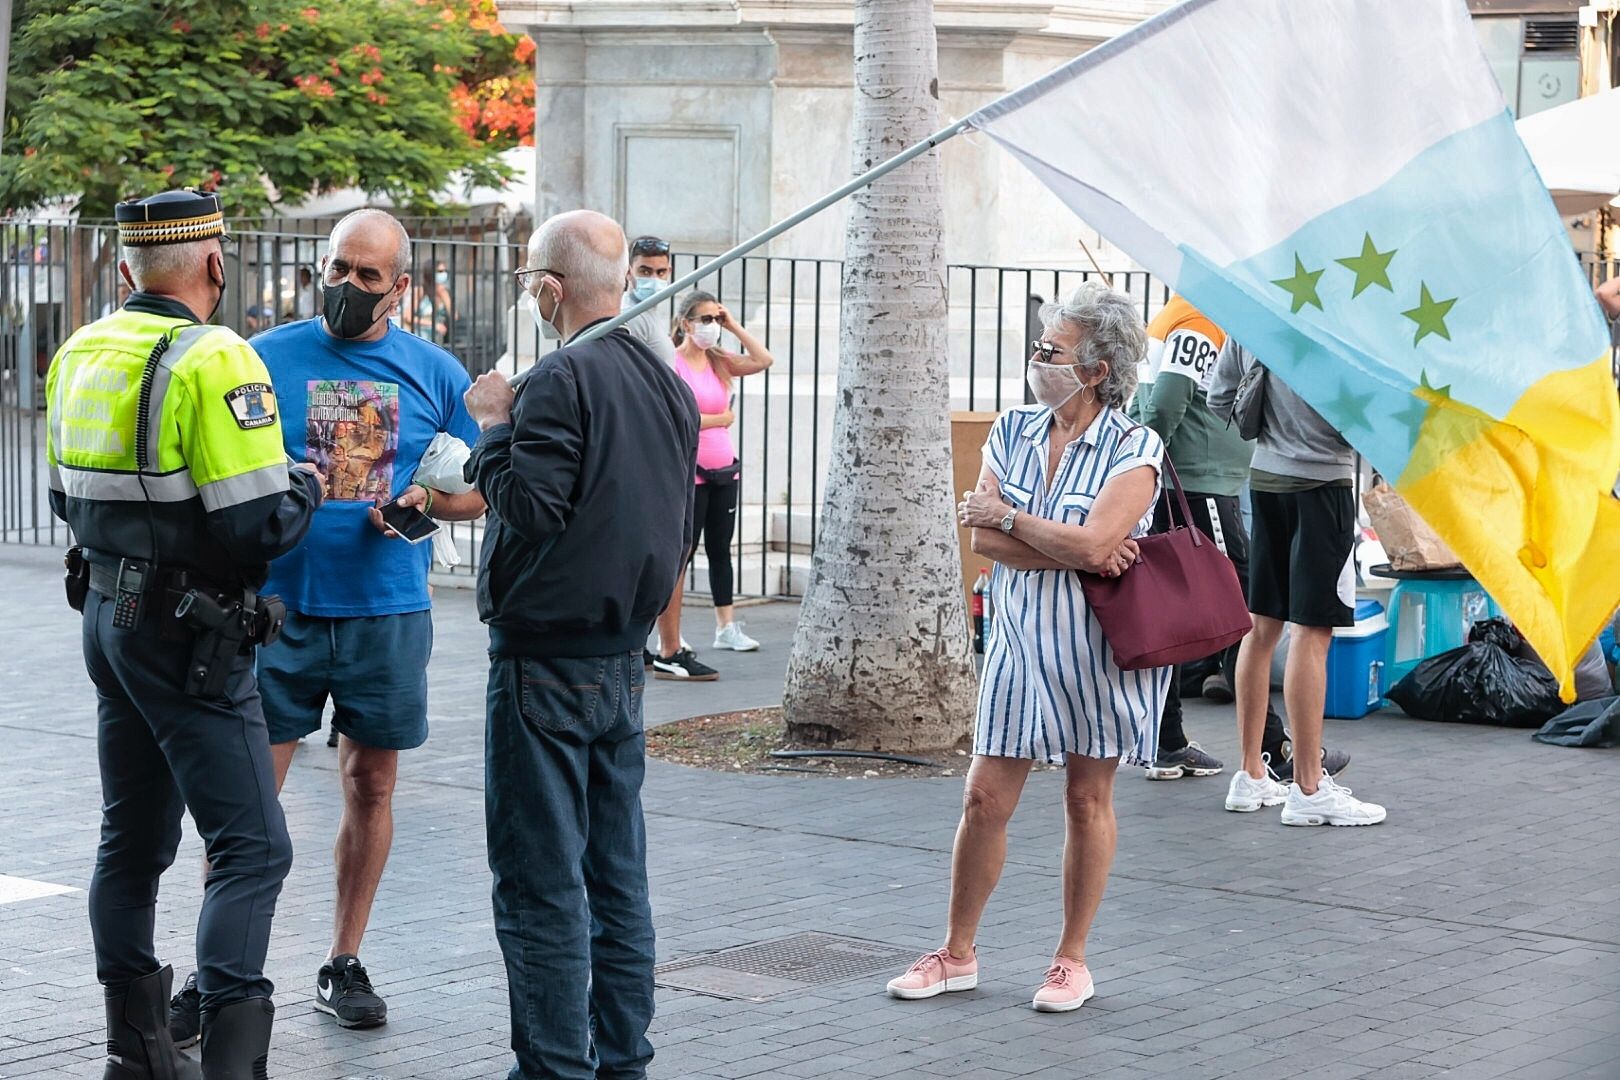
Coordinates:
[981,607]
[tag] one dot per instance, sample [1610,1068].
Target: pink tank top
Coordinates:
[715,450]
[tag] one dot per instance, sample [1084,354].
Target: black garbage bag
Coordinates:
[1499,632]
[1481,683]
[1591,723]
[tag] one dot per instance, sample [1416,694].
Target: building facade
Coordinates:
[705,121]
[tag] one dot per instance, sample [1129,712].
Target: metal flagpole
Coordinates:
[771,233]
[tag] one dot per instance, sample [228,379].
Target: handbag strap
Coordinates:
[1181,495]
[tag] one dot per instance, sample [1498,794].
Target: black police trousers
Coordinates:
[163,752]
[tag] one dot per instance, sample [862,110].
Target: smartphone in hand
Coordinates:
[411,524]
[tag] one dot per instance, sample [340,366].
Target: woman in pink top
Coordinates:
[709,370]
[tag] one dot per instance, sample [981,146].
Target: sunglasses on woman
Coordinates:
[704,319]
[1048,352]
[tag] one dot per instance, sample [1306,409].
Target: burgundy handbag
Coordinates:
[1180,601]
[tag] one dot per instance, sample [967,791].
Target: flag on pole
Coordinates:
[1338,184]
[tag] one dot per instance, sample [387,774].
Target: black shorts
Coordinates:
[1301,565]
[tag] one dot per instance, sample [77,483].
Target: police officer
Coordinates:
[166,459]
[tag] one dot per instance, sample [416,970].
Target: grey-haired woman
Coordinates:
[1066,485]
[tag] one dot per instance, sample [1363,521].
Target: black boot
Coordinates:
[138,1042]
[236,1040]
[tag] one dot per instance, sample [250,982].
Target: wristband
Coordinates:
[428,508]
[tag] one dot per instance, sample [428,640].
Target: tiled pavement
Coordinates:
[1475,935]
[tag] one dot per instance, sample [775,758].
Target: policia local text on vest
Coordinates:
[166,460]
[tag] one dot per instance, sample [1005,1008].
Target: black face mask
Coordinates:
[348,308]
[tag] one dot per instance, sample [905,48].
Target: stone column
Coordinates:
[559,121]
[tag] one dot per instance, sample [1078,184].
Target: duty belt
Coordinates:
[105,580]
[222,623]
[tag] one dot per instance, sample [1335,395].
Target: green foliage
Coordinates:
[260,99]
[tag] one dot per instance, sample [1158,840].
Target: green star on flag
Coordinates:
[1302,286]
[1423,378]
[1350,409]
[1412,417]
[1430,315]
[1371,267]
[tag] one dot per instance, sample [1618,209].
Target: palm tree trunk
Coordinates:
[881,657]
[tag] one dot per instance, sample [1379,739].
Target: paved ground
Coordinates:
[1475,935]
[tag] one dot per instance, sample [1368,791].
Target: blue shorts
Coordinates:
[374,669]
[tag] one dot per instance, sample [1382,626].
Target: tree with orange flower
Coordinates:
[263,100]
[494,99]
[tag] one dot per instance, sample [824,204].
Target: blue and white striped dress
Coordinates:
[1050,685]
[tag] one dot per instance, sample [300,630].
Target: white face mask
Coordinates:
[706,336]
[1053,384]
[532,306]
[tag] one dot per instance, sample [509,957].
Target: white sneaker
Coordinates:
[730,636]
[1248,794]
[1331,805]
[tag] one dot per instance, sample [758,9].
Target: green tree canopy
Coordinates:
[262,100]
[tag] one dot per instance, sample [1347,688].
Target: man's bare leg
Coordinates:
[1253,690]
[1305,692]
[365,835]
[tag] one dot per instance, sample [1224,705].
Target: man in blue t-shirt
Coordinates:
[361,400]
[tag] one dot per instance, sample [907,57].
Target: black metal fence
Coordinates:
[58,276]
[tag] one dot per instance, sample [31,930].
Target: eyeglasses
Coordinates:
[522,275]
[706,320]
[649,245]
[1048,352]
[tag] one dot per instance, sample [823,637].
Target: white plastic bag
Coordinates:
[440,469]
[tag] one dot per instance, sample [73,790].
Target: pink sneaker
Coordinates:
[1068,986]
[936,973]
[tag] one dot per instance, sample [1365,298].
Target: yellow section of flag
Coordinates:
[1528,503]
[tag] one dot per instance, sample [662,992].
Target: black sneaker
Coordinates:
[683,667]
[648,659]
[1190,760]
[1218,690]
[343,990]
[185,1014]
[1334,762]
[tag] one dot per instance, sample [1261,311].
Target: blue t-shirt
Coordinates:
[363,412]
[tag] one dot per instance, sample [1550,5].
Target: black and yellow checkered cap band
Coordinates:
[174,217]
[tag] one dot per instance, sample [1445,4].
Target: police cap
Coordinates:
[172,217]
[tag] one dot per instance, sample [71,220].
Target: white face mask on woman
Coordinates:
[706,336]
[1053,384]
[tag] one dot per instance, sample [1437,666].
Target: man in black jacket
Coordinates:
[587,471]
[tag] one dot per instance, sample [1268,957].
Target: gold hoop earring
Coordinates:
[1091,400]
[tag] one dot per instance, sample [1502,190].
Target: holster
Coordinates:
[76,579]
[221,629]
[225,629]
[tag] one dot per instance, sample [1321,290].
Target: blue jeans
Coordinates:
[564,761]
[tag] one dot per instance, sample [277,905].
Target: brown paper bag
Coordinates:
[1408,541]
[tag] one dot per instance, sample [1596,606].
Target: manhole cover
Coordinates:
[770,969]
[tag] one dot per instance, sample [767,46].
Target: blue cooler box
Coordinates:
[1355,664]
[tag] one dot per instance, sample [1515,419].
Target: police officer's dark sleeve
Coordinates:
[526,469]
[269,526]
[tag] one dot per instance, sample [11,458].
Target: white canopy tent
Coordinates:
[1576,148]
[516,195]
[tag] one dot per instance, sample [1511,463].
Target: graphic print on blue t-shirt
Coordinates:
[362,412]
[352,436]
